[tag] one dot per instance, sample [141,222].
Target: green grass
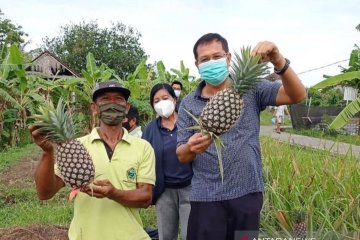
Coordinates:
[265,118]
[324,186]
[14,154]
[355,140]
[21,207]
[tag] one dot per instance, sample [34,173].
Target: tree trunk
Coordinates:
[13,135]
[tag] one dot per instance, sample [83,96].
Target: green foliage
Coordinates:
[10,33]
[335,80]
[346,114]
[19,94]
[118,46]
[141,81]
[324,185]
[349,77]
[329,97]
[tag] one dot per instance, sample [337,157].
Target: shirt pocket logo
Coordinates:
[131,174]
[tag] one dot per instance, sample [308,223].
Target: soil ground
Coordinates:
[21,174]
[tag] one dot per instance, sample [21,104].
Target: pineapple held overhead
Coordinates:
[73,160]
[224,108]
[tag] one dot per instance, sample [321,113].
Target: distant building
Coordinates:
[48,66]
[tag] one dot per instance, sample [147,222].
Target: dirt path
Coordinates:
[20,175]
[34,232]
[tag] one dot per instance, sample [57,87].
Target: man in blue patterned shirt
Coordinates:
[219,209]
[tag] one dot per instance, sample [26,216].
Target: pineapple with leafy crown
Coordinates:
[73,160]
[224,109]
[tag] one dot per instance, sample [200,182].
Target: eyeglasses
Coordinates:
[216,56]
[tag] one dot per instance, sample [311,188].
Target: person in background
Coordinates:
[221,209]
[177,86]
[173,179]
[131,122]
[279,113]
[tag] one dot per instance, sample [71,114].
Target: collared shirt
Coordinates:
[241,155]
[176,174]
[132,162]
[136,132]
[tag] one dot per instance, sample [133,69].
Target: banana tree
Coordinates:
[350,75]
[183,75]
[22,91]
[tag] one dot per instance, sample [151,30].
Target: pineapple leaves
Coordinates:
[217,141]
[56,124]
[193,117]
[246,71]
[218,146]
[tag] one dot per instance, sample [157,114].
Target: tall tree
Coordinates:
[118,46]
[10,33]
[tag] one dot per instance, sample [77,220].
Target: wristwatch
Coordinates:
[282,71]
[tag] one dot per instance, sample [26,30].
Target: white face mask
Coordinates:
[177,93]
[164,108]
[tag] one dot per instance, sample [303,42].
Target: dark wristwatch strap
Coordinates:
[282,71]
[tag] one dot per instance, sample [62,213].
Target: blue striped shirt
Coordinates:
[241,155]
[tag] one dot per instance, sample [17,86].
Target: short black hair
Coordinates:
[133,113]
[158,87]
[177,82]
[208,38]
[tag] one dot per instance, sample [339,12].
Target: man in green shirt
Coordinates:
[124,173]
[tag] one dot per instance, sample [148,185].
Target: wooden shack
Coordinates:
[48,66]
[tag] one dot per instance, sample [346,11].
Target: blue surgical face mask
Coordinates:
[214,72]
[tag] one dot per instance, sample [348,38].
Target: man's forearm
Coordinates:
[184,154]
[47,183]
[293,87]
[138,198]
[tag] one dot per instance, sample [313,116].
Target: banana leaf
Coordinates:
[348,112]
[332,81]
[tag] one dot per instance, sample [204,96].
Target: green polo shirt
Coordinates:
[133,161]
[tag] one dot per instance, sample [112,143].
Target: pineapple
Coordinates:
[299,228]
[224,109]
[73,160]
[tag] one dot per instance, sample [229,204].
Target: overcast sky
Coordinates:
[311,33]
